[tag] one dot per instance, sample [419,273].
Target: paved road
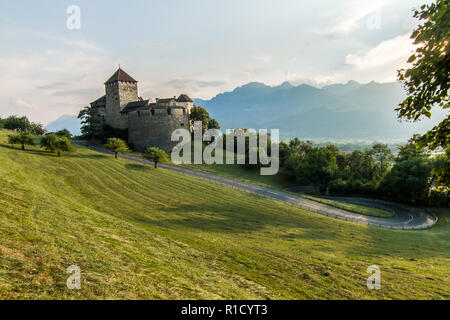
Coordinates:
[406,218]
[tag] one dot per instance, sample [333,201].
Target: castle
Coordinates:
[149,123]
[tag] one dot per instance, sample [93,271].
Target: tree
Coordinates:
[361,165]
[64,133]
[17,123]
[91,122]
[63,145]
[427,81]
[200,114]
[54,143]
[411,150]
[22,138]
[36,129]
[2,123]
[48,142]
[156,155]
[409,180]
[383,156]
[213,124]
[319,166]
[116,145]
[441,170]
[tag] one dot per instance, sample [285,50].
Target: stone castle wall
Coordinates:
[118,94]
[153,128]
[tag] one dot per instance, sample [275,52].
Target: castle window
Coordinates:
[182,124]
[139,113]
[168,111]
[184,111]
[153,112]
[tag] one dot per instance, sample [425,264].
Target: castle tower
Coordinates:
[120,89]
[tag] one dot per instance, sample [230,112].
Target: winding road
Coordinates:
[406,218]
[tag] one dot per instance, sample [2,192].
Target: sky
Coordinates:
[52,63]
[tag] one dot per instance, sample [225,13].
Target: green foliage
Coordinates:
[91,122]
[409,180]
[441,169]
[55,143]
[156,155]
[36,129]
[213,124]
[116,145]
[427,81]
[2,123]
[64,133]
[200,114]
[317,167]
[411,150]
[23,138]
[382,156]
[23,124]
[17,123]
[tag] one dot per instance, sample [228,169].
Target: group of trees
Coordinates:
[22,124]
[410,176]
[155,155]
[28,133]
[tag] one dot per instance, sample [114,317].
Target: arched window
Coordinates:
[169,111]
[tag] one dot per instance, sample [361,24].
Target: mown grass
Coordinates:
[357,208]
[139,232]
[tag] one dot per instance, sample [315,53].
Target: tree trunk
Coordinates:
[59,153]
[156,164]
[115,155]
[23,146]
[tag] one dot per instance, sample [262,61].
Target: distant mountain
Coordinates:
[338,111]
[69,122]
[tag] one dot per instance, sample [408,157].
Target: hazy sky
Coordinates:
[198,47]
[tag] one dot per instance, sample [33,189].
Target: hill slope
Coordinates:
[139,232]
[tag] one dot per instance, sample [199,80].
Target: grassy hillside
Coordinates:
[139,232]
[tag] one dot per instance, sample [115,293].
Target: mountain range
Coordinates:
[336,112]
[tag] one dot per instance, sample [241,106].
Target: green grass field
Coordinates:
[368,211]
[139,232]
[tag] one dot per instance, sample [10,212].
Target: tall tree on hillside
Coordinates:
[427,81]
[156,155]
[382,156]
[116,145]
[23,138]
[91,122]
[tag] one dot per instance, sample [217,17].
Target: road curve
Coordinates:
[406,218]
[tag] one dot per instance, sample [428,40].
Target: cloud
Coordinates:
[353,16]
[20,103]
[59,77]
[393,53]
[207,84]
[157,45]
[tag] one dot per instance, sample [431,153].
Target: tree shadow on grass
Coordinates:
[86,156]
[138,167]
[32,151]
[220,217]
